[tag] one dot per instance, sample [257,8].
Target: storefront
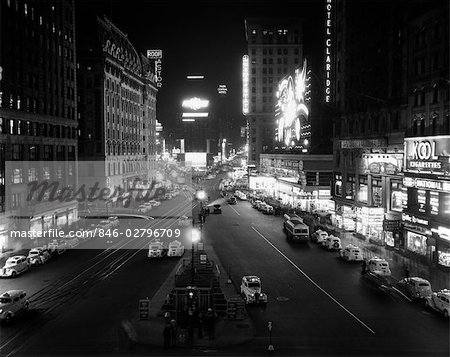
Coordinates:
[369,223]
[442,235]
[418,238]
[344,217]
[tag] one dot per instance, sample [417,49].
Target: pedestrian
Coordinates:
[200,325]
[166,335]
[364,267]
[210,322]
[173,332]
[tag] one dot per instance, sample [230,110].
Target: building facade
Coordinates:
[391,85]
[426,181]
[117,93]
[38,110]
[274,49]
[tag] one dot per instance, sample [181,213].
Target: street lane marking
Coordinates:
[235,210]
[313,282]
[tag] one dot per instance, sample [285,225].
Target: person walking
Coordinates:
[210,323]
[173,332]
[166,335]
[200,325]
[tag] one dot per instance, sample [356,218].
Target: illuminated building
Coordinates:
[117,90]
[38,109]
[274,49]
[390,84]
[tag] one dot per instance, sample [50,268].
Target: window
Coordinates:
[33,152]
[17,152]
[435,94]
[17,176]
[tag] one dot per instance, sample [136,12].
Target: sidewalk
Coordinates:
[143,335]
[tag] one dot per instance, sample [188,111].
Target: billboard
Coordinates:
[196,159]
[428,155]
[293,129]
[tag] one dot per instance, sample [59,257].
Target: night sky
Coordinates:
[200,37]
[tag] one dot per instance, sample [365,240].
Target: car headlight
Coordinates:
[1,311]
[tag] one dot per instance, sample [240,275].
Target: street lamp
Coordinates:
[195,236]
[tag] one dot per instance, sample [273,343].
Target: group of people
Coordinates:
[201,321]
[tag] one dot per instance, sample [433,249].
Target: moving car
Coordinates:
[14,266]
[251,290]
[38,256]
[184,221]
[114,221]
[57,247]
[232,200]
[415,287]
[175,249]
[217,209]
[439,301]
[332,243]
[144,208]
[156,250]
[268,209]
[154,203]
[351,253]
[13,303]
[319,236]
[379,266]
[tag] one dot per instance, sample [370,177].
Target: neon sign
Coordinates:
[328,52]
[291,110]
[195,103]
[245,81]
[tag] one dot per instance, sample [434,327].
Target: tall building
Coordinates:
[117,93]
[38,110]
[391,83]
[274,49]
[426,181]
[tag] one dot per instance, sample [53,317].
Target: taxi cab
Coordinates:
[38,256]
[351,253]
[416,288]
[14,266]
[12,303]
[332,243]
[379,266]
[251,290]
[319,236]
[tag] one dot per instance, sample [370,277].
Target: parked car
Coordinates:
[38,256]
[184,221]
[251,290]
[256,203]
[319,236]
[268,209]
[114,221]
[105,224]
[379,266]
[14,266]
[175,249]
[232,200]
[154,203]
[439,301]
[332,243]
[144,208]
[351,253]
[415,287]
[56,247]
[13,303]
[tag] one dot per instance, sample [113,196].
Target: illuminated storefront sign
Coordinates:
[328,51]
[291,110]
[195,115]
[195,103]
[245,83]
[388,164]
[428,155]
[369,222]
[414,219]
[362,143]
[154,54]
[156,57]
[222,89]
[426,184]
[262,183]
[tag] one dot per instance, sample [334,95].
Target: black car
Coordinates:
[232,200]
[217,209]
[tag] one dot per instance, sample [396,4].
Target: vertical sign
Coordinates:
[156,56]
[328,52]
[245,81]
[144,305]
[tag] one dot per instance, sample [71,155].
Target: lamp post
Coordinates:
[195,236]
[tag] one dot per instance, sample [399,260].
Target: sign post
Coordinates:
[269,326]
[144,306]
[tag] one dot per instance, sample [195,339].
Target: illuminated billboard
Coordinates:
[428,155]
[245,83]
[196,159]
[195,103]
[293,129]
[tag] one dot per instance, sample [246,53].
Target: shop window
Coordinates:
[444,256]
[338,185]
[416,243]
[350,187]
[396,196]
[362,189]
[377,194]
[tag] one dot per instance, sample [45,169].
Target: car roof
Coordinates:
[252,278]
[17,257]
[418,279]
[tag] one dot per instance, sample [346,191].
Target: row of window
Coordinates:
[279,51]
[29,128]
[35,152]
[21,175]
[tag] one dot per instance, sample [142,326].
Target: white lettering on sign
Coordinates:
[154,54]
[158,69]
[424,150]
[414,219]
[328,52]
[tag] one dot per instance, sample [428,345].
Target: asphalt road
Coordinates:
[79,300]
[318,304]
